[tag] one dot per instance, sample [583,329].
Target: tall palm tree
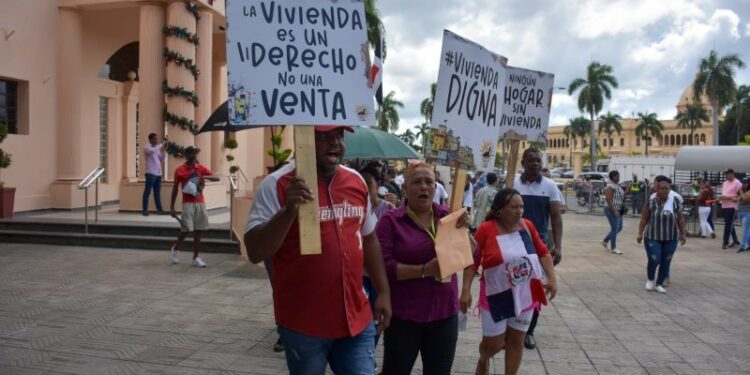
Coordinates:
[579,127]
[609,124]
[715,79]
[388,120]
[408,136]
[692,118]
[374,25]
[740,107]
[423,131]
[597,86]
[649,126]
[425,108]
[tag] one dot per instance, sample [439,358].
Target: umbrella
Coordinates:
[371,143]
[219,121]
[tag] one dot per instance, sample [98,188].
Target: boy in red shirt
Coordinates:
[191,177]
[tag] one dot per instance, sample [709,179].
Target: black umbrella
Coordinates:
[219,121]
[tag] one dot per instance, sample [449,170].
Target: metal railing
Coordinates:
[92,177]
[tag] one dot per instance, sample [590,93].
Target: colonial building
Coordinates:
[560,150]
[85,81]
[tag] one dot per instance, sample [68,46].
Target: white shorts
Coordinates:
[491,329]
[194,217]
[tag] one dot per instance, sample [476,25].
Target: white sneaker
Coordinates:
[616,251]
[198,262]
[174,255]
[661,289]
[650,285]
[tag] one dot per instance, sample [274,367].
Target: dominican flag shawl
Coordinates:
[516,285]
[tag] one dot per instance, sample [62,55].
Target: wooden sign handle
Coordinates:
[309,217]
[510,171]
[457,194]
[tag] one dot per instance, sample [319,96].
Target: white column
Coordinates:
[69,61]
[219,95]
[150,74]
[203,86]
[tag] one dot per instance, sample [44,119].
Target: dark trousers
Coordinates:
[711,218]
[153,182]
[372,296]
[635,199]
[729,225]
[436,341]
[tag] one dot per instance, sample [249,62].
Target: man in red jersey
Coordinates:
[320,305]
[190,177]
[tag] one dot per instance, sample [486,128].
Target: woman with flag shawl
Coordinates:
[516,264]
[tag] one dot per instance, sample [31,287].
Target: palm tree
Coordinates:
[408,136]
[578,127]
[428,103]
[609,124]
[387,115]
[423,131]
[715,80]
[691,118]
[740,106]
[648,127]
[597,85]
[374,25]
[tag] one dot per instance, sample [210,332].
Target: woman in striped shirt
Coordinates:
[662,224]
[614,194]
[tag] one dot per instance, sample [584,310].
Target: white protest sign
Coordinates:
[526,104]
[301,62]
[468,103]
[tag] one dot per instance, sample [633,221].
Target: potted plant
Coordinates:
[7,194]
[279,156]
[231,144]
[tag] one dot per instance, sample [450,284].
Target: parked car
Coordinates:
[560,171]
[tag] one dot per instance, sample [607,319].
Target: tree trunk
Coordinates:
[645,143]
[715,120]
[592,146]
[692,136]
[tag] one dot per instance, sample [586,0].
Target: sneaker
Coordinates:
[605,245]
[174,255]
[529,342]
[198,262]
[713,235]
[650,285]
[616,251]
[724,247]
[733,244]
[741,249]
[661,289]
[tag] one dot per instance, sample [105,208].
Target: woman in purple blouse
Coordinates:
[425,308]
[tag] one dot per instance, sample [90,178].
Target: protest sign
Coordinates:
[468,103]
[300,62]
[526,104]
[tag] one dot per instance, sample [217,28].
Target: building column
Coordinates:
[129,114]
[69,61]
[150,74]
[203,85]
[180,75]
[218,95]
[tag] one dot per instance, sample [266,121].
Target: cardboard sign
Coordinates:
[301,62]
[526,104]
[468,102]
[452,245]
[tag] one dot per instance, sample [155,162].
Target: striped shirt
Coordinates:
[618,196]
[662,224]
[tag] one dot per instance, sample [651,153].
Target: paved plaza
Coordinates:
[87,311]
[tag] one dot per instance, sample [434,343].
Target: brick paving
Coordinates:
[67,310]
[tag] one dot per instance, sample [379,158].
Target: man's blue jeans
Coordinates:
[729,225]
[153,182]
[659,254]
[615,226]
[745,220]
[307,355]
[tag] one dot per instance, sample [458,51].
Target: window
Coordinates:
[671,140]
[622,142]
[562,158]
[611,142]
[637,141]
[103,125]
[703,138]
[605,142]
[9,105]
[684,139]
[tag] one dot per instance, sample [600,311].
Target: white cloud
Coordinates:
[601,18]
[747,29]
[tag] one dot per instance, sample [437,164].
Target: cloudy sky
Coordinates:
[654,46]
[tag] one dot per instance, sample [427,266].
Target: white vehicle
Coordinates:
[641,166]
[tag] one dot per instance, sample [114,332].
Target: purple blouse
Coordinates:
[403,241]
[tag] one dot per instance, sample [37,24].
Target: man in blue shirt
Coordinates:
[542,202]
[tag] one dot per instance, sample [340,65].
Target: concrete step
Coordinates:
[149,230]
[208,245]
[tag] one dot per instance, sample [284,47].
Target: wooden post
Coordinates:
[309,219]
[510,171]
[457,192]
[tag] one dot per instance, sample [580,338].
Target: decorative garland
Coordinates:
[182,122]
[190,96]
[193,8]
[180,32]
[179,59]
[175,150]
